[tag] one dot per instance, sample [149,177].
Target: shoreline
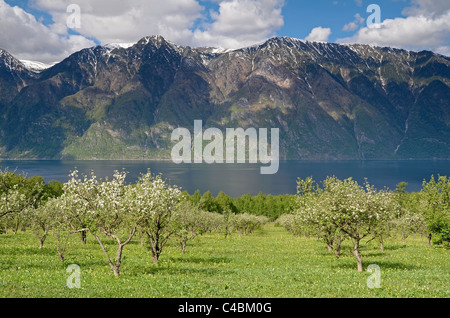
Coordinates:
[170,160]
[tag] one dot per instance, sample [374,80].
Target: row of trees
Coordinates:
[19,195]
[111,210]
[269,206]
[334,211]
[340,210]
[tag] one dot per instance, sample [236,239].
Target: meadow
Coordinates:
[270,263]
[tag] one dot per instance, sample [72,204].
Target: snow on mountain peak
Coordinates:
[36,67]
[119,45]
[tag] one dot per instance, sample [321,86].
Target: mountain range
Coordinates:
[330,101]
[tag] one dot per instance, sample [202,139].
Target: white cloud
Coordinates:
[444,50]
[427,7]
[236,23]
[26,38]
[355,24]
[319,34]
[426,27]
[240,23]
[111,21]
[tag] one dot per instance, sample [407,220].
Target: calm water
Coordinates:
[239,179]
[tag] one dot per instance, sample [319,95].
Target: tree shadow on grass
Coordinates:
[365,251]
[396,265]
[175,271]
[395,247]
[27,251]
[199,260]
[384,265]
[374,253]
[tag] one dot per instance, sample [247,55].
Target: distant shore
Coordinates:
[282,160]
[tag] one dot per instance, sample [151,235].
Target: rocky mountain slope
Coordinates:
[329,101]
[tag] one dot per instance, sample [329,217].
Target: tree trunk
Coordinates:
[155,258]
[142,239]
[116,271]
[337,248]
[429,239]
[381,244]
[337,252]
[60,251]
[156,245]
[118,261]
[115,267]
[42,239]
[62,245]
[156,251]
[155,255]
[41,243]
[330,247]
[357,255]
[83,237]
[16,227]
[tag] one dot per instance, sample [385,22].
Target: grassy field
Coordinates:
[268,264]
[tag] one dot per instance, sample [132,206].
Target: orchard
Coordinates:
[156,218]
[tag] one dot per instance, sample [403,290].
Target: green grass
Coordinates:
[268,264]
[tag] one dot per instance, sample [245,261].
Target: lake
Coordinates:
[239,179]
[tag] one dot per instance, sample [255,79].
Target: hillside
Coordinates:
[329,101]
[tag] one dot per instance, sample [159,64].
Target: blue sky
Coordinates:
[409,24]
[302,16]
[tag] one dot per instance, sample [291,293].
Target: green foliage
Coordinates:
[291,223]
[208,203]
[18,195]
[53,189]
[269,206]
[245,224]
[435,199]
[191,222]
[344,209]
[224,203]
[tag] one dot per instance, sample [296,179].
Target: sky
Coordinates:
[50,30]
